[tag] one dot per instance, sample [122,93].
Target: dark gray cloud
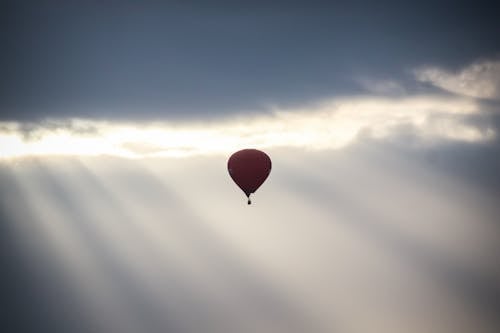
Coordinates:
[121,59]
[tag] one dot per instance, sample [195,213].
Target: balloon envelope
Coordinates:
[249,168]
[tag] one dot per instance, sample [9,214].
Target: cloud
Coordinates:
[382,87]
[331,124]
[152,60]
[480,79]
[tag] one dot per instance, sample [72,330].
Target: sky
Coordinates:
[380,214]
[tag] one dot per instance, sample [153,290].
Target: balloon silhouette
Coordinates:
[249,168]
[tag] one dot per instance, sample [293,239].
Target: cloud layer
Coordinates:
[159,60]
[331,124]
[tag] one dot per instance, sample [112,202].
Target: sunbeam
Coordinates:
[339,241]
[65,245]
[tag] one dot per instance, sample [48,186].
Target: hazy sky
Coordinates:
[117,213]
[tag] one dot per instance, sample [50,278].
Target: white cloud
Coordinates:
[480,80]
[332,124]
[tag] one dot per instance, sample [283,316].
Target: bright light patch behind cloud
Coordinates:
[332,124]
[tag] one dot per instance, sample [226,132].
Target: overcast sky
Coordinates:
[161,59]
[380,213]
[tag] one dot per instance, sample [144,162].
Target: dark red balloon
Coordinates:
[249,168]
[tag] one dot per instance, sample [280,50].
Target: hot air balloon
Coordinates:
[249,168]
